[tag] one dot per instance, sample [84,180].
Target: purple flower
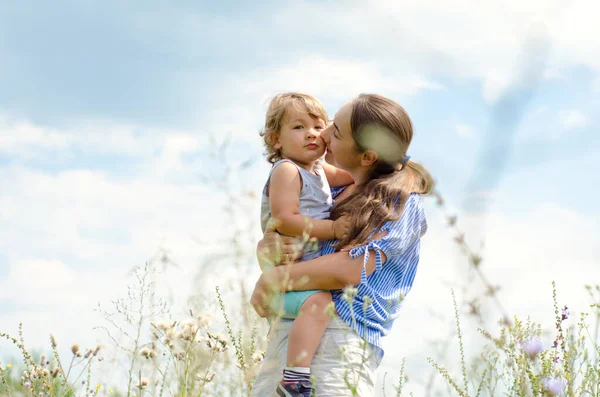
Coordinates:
[565,313]
[27,385]
[555,386]
[532,347]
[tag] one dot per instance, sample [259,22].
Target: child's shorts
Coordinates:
[292,301]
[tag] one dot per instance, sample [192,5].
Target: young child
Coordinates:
[298,195]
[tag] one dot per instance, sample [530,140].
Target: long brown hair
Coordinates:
[383,126]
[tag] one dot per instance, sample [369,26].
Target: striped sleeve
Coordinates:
[401,234]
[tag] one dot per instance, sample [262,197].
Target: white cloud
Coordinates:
[18,134]
[19,137]
[486,41]
[36,274]
[332,79]
[571,119]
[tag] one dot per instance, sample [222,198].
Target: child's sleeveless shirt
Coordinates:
[315,198]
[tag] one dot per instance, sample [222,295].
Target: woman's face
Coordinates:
[341,148]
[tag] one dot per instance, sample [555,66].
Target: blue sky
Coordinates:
[108,112]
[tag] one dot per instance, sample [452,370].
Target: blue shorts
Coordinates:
[292,301]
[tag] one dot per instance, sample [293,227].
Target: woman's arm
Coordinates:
[333,271]
[335,176]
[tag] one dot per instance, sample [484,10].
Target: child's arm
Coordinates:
[284,198]
[335,176]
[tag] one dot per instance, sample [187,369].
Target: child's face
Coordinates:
[300,137]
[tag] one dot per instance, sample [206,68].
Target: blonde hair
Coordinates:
[277,108]
[383,126]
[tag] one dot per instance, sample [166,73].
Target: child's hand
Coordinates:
[341,227]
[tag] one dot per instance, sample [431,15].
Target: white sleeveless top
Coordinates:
[315,197]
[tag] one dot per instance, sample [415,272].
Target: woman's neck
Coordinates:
[359,175]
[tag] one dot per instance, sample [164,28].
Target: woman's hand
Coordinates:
[341,227]
[275,249]
[267,285]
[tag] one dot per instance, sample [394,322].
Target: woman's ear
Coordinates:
[368,158]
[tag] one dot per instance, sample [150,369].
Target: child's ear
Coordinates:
[274,141]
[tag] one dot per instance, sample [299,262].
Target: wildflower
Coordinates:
[451,220]
[8,366]
[164,325]
[188,323]
[27,385]
[75,349]
[555,386]
[45,372]
[171,334]
[565,313]
[52,340]
[207,377]
[475,260]
[532,347]
[142,384]
[189,331]
[204,320]
[221,338]
[459,238]
[258,356]
[349,294]
[147,353]
[97,350]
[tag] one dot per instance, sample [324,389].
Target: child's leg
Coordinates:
[307,330]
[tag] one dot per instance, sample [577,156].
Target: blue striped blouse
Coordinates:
[378,297]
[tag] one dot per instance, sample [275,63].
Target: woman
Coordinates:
[369,139]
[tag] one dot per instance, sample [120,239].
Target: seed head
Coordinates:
[142,384]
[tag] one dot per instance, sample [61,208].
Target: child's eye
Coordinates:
[298,127]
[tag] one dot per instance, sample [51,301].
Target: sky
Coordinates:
[110,113]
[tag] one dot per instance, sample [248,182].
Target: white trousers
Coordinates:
[343,366]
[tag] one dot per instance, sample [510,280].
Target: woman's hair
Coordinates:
[383,126]
[277,108]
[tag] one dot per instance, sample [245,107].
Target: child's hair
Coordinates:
[383,126]
[277,108]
